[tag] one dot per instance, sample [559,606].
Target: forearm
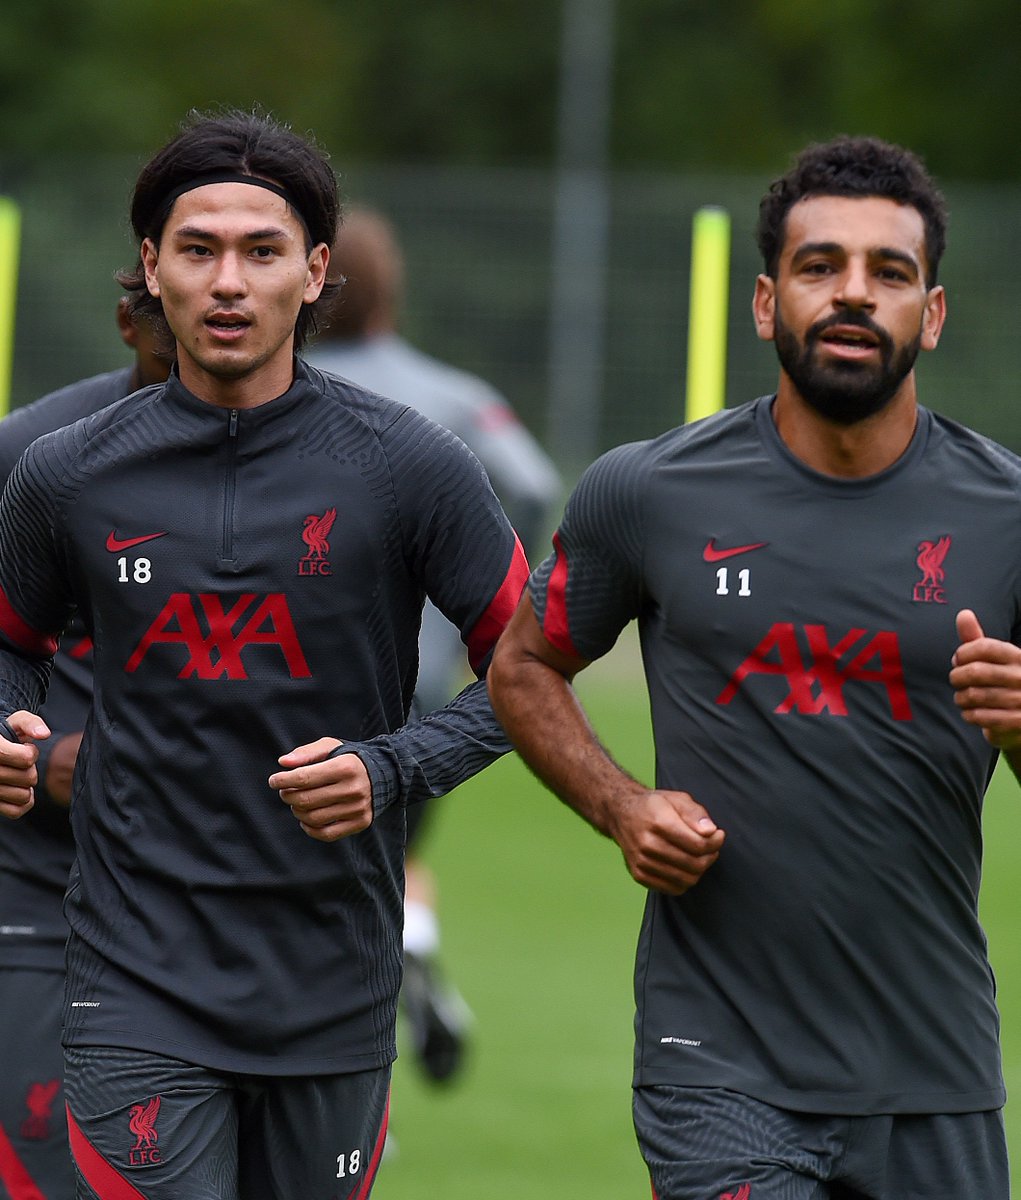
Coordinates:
[23,682]
[667,838]
[433,755]
[538,707]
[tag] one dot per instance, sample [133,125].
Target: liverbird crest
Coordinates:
[316,532]
[930,560]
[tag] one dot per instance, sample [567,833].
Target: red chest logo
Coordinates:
[929,589]
[816,679]
[315,534]
[214,638]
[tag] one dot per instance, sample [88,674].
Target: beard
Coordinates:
[844,392]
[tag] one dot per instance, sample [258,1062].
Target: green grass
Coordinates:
[539,924]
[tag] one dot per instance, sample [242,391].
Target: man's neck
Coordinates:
[259,387]
[846,451]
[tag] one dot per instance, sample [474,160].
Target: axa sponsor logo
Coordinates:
[817,669]
[315,534]
[37,1126]
[214,636]
[142,1123]
[929,589]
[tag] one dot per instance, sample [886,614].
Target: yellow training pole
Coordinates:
[10,239]
[707,313]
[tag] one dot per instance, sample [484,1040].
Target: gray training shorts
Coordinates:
[714,1144]
[145,1127]
[34,1158]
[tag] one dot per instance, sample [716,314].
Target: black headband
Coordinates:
[227,177]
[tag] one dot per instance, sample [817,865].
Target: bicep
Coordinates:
[524,644]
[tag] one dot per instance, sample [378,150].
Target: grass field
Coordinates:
[539,923]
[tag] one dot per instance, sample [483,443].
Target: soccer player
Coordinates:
[36,855]
[249,546]
[827,583]
[360,341]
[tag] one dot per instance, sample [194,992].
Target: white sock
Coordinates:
[421,929]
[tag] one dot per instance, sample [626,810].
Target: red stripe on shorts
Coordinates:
[105,1180]
[13,1174]
[363,1189]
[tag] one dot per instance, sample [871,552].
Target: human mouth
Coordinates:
[227,326]
[849,342]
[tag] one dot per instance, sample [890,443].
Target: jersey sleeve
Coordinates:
[462,549]
[35,601]
[590,587]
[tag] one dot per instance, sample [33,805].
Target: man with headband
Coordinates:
[249,547]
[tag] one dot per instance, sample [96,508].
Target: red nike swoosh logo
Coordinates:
[114,543]
[711,554]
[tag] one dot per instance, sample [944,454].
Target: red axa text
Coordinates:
[215,637]
[816,670]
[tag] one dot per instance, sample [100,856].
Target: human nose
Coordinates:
[855,287]
[229,279]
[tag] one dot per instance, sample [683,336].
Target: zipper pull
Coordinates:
[232,428]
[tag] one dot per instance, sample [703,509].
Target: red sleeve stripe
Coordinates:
[554,624]
[482,638]
[42,645]
[13,1175]
[104,1179]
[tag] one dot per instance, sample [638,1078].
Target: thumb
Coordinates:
[312,752]
[968,628]
[27,727]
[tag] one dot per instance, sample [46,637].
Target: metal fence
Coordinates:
[478,246]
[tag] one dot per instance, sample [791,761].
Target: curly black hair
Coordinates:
[854,166]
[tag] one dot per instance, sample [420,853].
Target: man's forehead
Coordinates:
[232,205]
[859,222]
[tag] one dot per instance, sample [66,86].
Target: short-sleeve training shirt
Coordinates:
[797,633]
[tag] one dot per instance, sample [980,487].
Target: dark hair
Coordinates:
[247,143]
[854,166]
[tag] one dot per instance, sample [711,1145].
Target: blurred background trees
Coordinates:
[729,85]
[449,114]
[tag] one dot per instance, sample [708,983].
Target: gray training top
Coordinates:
[252,580]
[797,632]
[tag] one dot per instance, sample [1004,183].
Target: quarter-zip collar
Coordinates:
[178,398]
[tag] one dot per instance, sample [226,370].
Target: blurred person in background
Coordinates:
[360,341]
[827,584]
[36,855]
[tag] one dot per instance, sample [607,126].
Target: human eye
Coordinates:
[264,252]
